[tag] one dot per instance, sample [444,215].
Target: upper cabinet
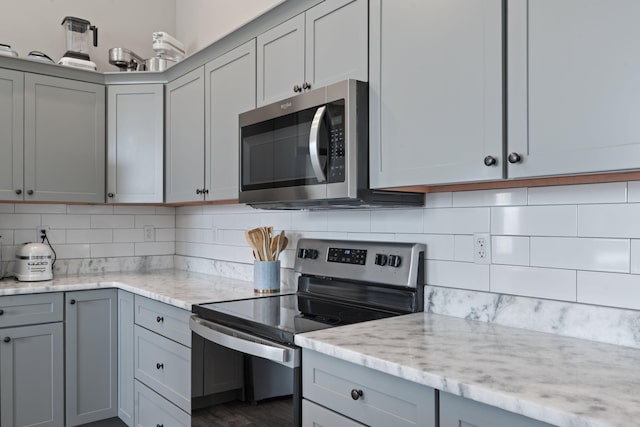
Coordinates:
[326,44]
[184,138]
[11,134]
[574,86]
[230,89]
[135,143]
[435,91]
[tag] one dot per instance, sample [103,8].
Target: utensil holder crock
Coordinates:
[266,276]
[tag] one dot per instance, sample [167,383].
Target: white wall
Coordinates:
[29,25]
[201,22]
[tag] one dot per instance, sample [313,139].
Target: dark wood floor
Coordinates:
[267,413]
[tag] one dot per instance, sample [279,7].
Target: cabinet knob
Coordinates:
[514,158]
[159,425]
[306,86]
[198,191]
[356,394]
[297,89]
[72,302]
[205,191]
[110,195]
[160,319]
[1,312]
[7,339]
[30,192]
[18,191]
[159,366]
[490,161]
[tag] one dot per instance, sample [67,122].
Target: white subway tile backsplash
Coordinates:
[438,200]
[633,188]
[195,235]
[611,255]
[155,248]
[256,218]
[635,256]
[7,208]
[67,221]
[129,235]
[463,248]
[165,235]
[615,290]
[371,237]
[462,275]
[90,209]
[134,210]
[165,210]
[511,250]
[503,197]
[356,221]
[6,237]
[55,236]
[194,221]
[457,220]
[618,220]
[309,221]
[157,221]
[20,220]
[40,209]
[439,246]
[105,250]
[112,221]
[73,251]
[397,221]
[534,221]
[190,210]
[534,282]
[25,236]
[90,236]
[611,192]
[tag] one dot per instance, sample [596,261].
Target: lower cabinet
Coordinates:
[316,416]
[362,394]
[32,383]
[125,357]
[456,411]
[152,410]
[91,327]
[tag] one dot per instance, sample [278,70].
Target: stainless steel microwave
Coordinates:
[311,151]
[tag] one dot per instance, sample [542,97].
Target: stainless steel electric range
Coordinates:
[340,282]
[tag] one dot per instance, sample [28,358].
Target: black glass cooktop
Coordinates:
[281,317]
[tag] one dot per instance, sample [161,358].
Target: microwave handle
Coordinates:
[314,144]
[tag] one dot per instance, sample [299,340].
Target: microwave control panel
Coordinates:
[336,172]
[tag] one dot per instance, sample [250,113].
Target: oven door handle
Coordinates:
[314,144]
[245,343]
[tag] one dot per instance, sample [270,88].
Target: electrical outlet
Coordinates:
[482,248]
[149,233]
[41,232]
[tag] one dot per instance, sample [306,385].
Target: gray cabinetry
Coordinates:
[457,411]
[230,89]
[91,327]
[573,95]
[184,138]
[365,395]
[64,140]
[11,134]
[317,416]
[326,44]
[435,91]
[135,143]
[153,411]
[31,360]
[125,357]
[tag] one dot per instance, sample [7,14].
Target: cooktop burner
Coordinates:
[281,317]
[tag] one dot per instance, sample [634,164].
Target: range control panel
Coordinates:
[347,256]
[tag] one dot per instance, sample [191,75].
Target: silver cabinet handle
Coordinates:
[514,158]
[314,144]
[245,343]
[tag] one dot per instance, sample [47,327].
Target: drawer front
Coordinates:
[20,310]
[164,366]
[316,416]
[169,321]
[385,400]
[151,410]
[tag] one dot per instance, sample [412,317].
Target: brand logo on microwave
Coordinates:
[285,105]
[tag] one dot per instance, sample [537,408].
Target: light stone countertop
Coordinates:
[176,287]
[558,380]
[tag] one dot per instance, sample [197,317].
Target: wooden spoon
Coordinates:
[254,237]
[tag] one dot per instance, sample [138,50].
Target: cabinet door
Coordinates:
[185,138]
[574,91]
[64,140]
[280,59]
[135,143]
[457,411]
[125,357]
[91,329]
[11,134]
[337,41]
[435,91]
[317,416]
[230,89]
[32,383]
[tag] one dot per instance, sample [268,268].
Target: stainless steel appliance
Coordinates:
[77,36]
[125,59]
[311,151]
[340,282]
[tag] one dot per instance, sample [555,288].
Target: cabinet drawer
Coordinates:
[171,322]
[385,400]
[164,366]
[19,310]
[316,416]
[152,410]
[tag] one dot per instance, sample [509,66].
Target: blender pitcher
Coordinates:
[78,37]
